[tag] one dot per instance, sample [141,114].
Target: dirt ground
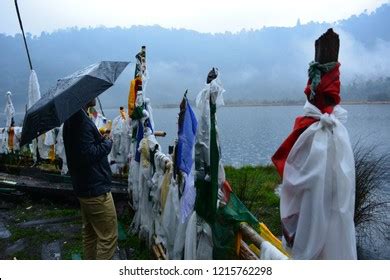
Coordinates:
[45,228]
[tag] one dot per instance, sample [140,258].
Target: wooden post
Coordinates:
[326,50]
[327,47]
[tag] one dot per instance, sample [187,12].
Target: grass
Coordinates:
[44,209]
[72,246]
[255,186]
[56,213]
[34,235]
[371,205]
[141,252]
[34,238]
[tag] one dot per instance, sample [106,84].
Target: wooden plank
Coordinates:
[48,221]
[26,183]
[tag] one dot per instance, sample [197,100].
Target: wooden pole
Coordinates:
[326,50]
[250,234]
[327,47]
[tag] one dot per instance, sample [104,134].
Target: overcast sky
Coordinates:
[201,15]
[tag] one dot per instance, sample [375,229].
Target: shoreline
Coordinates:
[278,104]
[259,104]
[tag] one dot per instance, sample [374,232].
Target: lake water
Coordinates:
[250,135]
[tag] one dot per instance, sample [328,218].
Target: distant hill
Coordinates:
[368,28]
[266,64]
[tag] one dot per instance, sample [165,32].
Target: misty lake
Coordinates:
[250,135]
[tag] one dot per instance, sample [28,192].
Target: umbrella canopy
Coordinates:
[68,96]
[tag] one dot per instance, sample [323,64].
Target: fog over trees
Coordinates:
[267,64]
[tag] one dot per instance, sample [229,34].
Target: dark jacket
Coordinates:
[86,153]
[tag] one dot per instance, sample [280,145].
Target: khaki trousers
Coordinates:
[100,228]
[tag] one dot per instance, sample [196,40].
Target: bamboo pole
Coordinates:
[251,235]
[246,253]
[159,133]
[158,249]
[161,250]
[156,252]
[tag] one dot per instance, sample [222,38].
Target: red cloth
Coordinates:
[327,96]
[328,89]
[227,190]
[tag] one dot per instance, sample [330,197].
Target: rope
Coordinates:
[24,37]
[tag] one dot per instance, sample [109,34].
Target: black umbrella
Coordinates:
[68,96]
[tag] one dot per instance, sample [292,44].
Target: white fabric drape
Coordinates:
[318,189]
[270,252]
[120,132]
[4,137]
[34,93]
[198,243]
[41,143]
[9,109]
[60,151]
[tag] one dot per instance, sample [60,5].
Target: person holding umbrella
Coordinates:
[85,148]
[86,152]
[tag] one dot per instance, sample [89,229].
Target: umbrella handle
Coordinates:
[100,105]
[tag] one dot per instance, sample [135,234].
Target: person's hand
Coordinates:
[107,135]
